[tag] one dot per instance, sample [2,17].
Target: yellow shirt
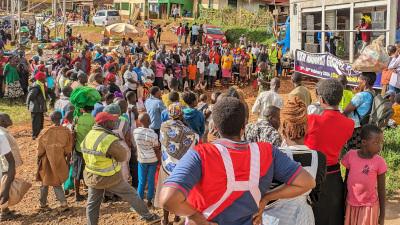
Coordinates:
[227,62]
[396,115]
[167,102]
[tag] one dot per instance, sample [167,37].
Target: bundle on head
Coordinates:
[294,118]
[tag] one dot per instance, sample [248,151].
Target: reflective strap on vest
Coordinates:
[95,146]
[106,170]
[233,185]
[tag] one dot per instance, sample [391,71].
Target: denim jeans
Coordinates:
[393,88]
[147,173]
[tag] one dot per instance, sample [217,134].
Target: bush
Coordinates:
[259,35]
[391,153]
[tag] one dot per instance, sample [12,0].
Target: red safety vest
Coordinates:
[227,174]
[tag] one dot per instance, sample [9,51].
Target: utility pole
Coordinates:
[12,20]
[64,16]
[19,20]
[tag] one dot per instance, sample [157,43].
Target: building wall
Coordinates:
[251,5]
[296,7]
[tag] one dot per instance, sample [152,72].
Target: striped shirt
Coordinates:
[145,141]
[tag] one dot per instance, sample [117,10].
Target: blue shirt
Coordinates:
[154,107]
[188,173]
[363,103]
[139,73]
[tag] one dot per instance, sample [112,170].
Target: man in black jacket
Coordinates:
[36,102]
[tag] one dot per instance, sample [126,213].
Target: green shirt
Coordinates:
[11,74]
[84,124]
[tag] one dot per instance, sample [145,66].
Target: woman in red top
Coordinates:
[328,133]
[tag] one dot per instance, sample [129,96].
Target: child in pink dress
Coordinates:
[365,179]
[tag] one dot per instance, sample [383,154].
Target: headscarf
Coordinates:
[84,96]
[113,109]
[294,118]
[39,76]
[175,111]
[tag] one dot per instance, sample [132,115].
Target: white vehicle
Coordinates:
[106,17]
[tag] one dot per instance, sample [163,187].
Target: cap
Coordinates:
[104,117]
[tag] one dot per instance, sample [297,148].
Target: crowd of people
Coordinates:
[151,127]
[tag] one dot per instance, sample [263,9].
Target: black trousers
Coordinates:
[152,42]
[159,82]
[330,208]
[37,123]
[133,165]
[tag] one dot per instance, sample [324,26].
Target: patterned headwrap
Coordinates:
[294,118]
[175,111]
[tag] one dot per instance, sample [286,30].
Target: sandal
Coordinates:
[9,215]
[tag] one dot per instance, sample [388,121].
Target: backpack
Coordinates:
[379,113]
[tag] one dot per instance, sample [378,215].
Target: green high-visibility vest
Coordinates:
[94,149]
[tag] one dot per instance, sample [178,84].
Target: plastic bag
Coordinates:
[18,189]
[373,58]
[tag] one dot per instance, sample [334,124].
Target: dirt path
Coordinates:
[111,213]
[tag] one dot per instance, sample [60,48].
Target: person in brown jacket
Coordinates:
[54,151]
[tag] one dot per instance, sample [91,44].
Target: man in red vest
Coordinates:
[222,182]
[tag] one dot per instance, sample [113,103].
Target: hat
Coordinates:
[112,109]
[175,110]
[40,76]
[104,117]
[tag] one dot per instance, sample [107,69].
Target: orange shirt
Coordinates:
[386,75]
[192,71]
[396,115]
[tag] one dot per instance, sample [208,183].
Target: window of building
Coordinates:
[232,3]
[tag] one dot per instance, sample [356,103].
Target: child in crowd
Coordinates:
[63,103]
[192,69]
[213,69]
[200,87]
[365,178]
[146,141]
[263,77]
[193,117]
[347,94]
[201,67]
[202,106]
[387,73]
[396,110]
[54,151]
[168,77]
[108,99]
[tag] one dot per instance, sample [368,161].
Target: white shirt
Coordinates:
[195,30]
[265,99]
[130,75]
[213,69]
[167,79]
[5,145]
[147,74]
[201,66]
[255,50]
[145,140]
